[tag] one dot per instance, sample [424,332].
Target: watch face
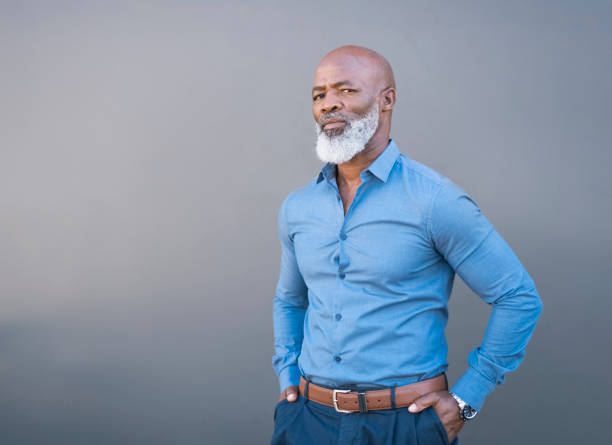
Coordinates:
[469,412]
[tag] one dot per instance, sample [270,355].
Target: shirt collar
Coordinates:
[380,167]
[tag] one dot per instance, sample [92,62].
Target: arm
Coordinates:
[473,248]
[485,262]
[289,305]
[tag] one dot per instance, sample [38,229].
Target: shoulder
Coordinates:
[299,198]
[420,170]
[421,179]
[441,198]
[300,194]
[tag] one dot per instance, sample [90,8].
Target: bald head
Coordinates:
[364,60]
[350,84]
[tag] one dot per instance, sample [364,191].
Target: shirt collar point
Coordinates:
[382,165]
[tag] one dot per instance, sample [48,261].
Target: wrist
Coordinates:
[466,412]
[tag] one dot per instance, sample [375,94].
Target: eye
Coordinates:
[317,97]
[348,90]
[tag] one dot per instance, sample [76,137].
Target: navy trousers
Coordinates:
[307,422]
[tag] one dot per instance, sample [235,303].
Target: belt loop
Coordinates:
[363,406]
[393,397]
[306,389]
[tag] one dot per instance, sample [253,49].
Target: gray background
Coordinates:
[145,149]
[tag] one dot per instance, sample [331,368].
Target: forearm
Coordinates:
[496,274]
[509,329]
[288,336]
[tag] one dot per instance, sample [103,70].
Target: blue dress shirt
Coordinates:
[362,297]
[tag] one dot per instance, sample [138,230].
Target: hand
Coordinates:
[290,393]
[445,406]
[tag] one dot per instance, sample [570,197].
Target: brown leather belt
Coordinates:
[345,401]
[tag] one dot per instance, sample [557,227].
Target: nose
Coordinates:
[330,103]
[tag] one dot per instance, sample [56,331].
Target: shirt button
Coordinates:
[338,317]
[343,236]
[338,359]
[342,275]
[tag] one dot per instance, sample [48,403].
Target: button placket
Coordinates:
[337,261]
[342,258]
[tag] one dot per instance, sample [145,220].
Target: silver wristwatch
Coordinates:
[466,412]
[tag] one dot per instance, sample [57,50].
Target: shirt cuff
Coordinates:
[472,387]
[289,376]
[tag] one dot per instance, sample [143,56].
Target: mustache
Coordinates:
[332,115]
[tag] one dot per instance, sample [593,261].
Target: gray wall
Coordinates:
[145,150]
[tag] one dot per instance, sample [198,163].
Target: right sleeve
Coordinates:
[289,308]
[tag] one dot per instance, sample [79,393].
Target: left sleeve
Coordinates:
[485,262]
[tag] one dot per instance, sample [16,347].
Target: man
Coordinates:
[369,252]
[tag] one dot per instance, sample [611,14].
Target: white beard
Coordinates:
[343,147]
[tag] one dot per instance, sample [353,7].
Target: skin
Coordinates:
[349,80]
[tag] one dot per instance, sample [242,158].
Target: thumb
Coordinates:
[423,402]
[292,394]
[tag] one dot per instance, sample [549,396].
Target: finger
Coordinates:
[290,393]
[423,402]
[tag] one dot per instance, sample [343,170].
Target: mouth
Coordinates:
[333,125]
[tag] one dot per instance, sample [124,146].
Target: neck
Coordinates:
[348,172]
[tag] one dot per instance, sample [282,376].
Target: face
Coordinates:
[345,109]
[345,87]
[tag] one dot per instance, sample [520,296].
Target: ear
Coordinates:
[389,95]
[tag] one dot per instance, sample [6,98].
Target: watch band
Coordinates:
[466,412]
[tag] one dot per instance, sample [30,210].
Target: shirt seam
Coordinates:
[286,218]
[429,216]
[405,160]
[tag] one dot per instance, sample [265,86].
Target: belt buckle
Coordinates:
[335,400]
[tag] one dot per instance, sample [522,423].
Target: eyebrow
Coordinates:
[335,85]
